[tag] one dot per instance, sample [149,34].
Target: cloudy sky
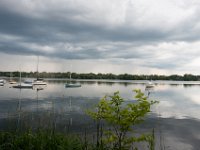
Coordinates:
[107,36]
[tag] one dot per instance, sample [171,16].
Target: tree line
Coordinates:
[185,77]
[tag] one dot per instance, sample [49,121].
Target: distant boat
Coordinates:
[72,85]
[11,81]
[39,87]
[39,81]
[22,85]
[2,82]
[150,84]
[27,81]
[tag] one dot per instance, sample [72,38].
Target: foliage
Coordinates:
[41,140]
[185,77]
[121,118]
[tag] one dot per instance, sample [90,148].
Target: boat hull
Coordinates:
[12,82]
[38,82]
[23,86]
[44,83]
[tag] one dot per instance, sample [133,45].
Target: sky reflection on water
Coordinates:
[176,118]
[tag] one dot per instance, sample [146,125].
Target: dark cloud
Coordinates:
[49,31]
[79,30]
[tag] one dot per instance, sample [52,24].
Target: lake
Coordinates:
[176,118]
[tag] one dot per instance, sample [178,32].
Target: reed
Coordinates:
[40,140]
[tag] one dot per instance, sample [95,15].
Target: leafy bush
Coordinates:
[121,118]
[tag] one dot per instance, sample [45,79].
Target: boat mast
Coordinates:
[37,66]
[70,74]
[10,76]
[20,77]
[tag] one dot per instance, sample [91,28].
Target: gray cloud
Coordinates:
[101,30]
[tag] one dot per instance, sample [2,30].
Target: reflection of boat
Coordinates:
[149,89]
[18,125]
[39,87]
[72,85]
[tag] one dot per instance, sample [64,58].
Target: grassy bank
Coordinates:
[40,140]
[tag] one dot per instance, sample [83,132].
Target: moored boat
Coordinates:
[12,82]
[72,85]
[150,85]
[2,82]
[39,81]
[23,86]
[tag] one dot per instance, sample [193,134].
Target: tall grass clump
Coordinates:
[40,140]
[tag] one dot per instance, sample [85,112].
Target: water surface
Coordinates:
[176,118]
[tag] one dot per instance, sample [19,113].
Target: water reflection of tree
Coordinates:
[190,85]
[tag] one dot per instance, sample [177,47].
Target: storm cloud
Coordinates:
[154,36]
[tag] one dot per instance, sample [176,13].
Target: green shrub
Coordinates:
[121,118]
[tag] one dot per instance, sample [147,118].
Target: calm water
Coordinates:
[176,118]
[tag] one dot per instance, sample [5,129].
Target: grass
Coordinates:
[40,140]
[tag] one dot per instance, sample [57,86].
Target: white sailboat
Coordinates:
[150,84]
[2,82]
[28,81]
[39,81]
[11,81]
[22,85]
[72,85]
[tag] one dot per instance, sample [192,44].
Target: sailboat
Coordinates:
[150,84]
[2,82]
[39,81]
[11,81]
[22,85]
[71,85]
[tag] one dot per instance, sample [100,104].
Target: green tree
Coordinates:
[121,118]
